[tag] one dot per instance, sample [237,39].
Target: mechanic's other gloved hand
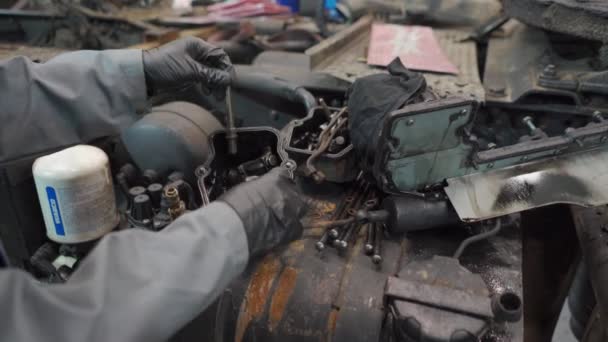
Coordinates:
[271,208]
[186,62]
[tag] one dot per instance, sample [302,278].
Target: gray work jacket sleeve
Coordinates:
[73,98]
[135,285]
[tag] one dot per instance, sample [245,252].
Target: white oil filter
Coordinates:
[76,194]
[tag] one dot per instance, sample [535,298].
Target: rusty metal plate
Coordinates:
[415,46]
[297,294]
[580,179]
[345,57]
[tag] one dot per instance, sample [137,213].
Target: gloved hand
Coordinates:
[271,208]
[186,62]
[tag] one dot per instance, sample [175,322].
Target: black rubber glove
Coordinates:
[185,62]
[271,208]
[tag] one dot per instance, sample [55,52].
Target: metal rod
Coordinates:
[325,108]
[369,241]
[325,139]
[348,233]
[341,242]
[231,136]
[377,255]
[477,238]
[320,245]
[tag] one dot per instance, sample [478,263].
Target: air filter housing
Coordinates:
[76,194]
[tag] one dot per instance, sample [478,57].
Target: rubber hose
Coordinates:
[272,85]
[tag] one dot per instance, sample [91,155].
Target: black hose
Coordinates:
[276,86]
[477,238]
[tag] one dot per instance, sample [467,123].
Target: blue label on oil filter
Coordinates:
[55,213]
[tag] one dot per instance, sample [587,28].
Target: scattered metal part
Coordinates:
[507,307]
[476,238]
[320,245]
[172,203]
[349,216]
[598,116]
[370,240]
[377,252]
[326,109]
[337,122]
[528,122]
[345,226]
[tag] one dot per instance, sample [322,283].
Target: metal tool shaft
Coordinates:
[231,135]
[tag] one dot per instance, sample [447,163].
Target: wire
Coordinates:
[464,244]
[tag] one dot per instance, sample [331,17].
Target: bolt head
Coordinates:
[550,71]
[320,246]
[410,122]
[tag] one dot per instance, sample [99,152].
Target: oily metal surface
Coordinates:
[498,260]
[348,61]
[297,294]
[580,179]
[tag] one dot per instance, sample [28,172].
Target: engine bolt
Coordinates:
[528,122]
